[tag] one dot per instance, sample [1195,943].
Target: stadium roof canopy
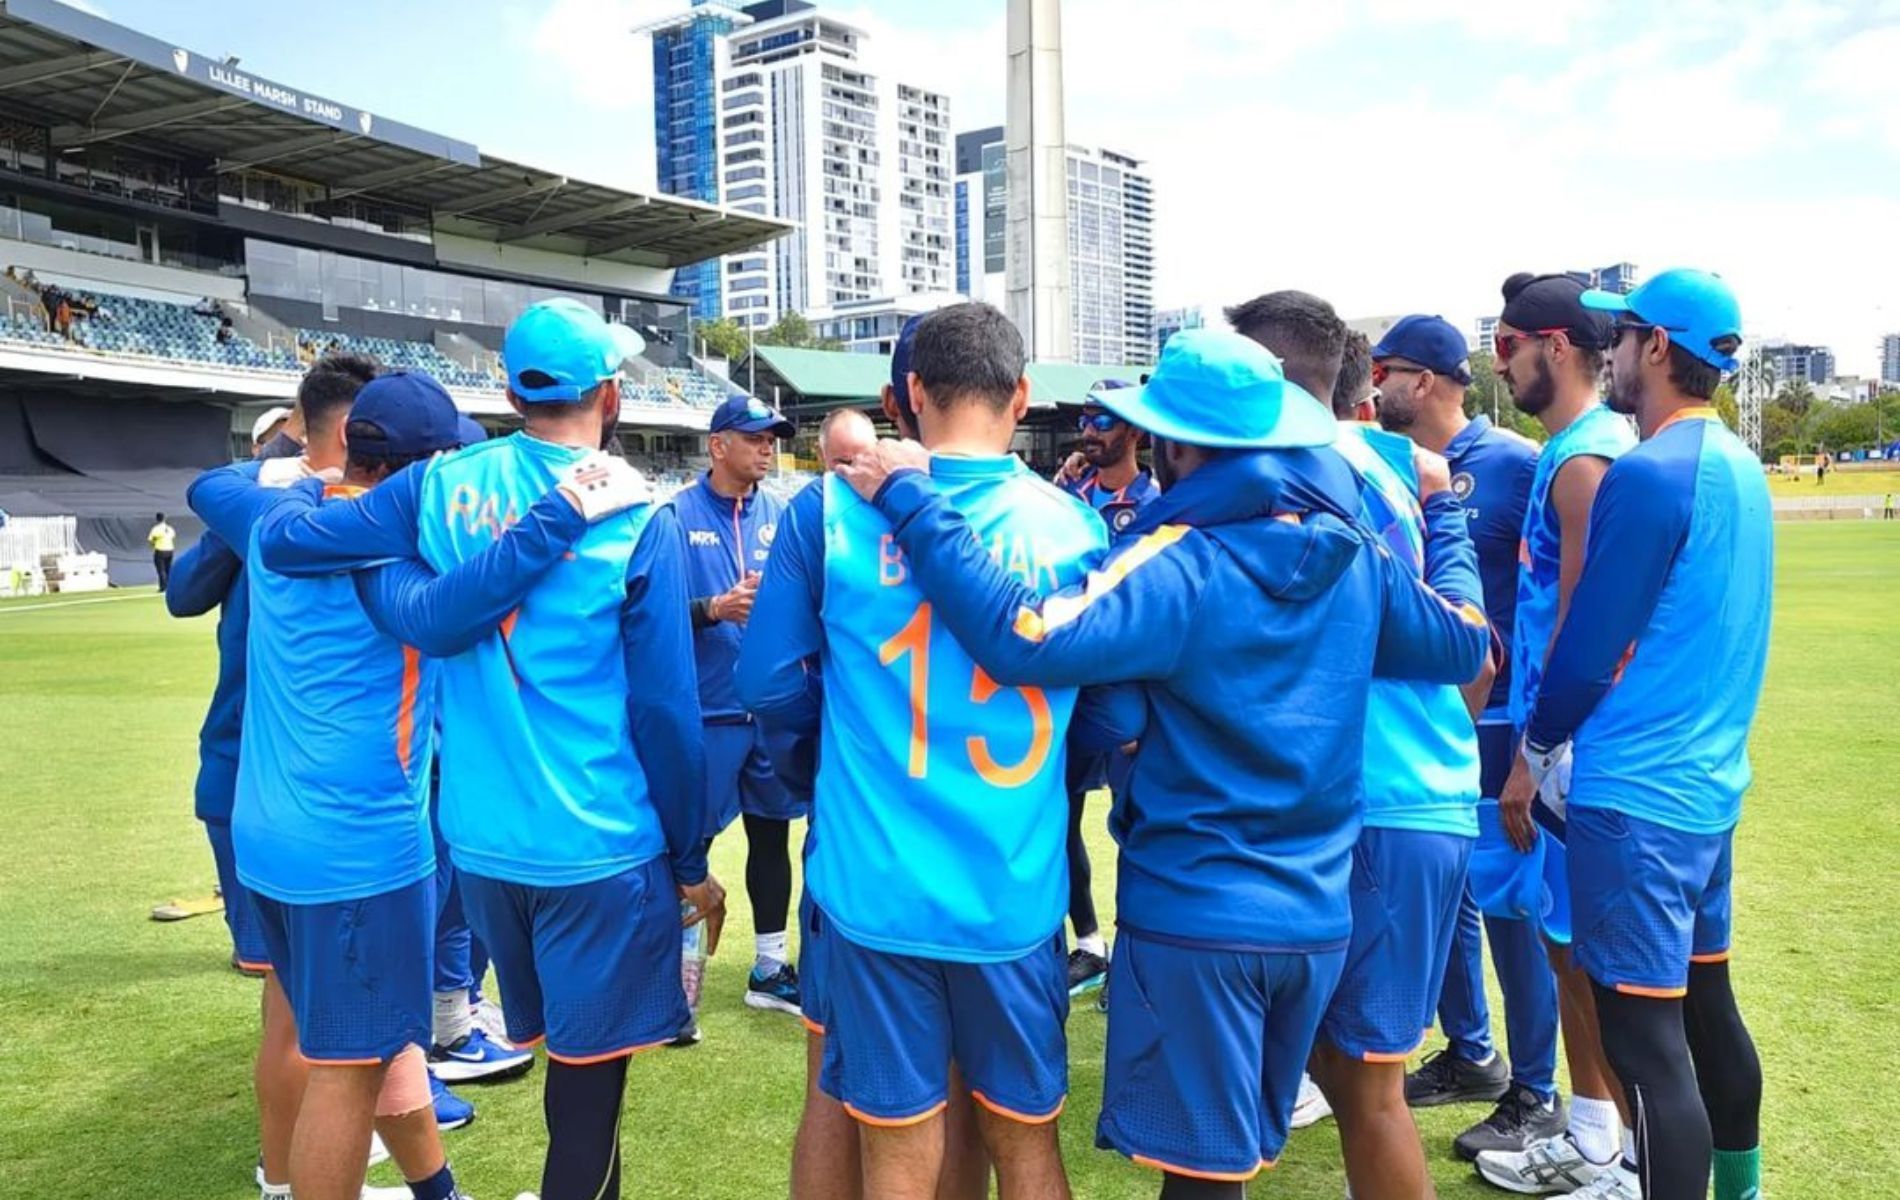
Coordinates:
[822,379]
[94,82]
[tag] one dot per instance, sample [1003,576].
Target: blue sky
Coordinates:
[1392,155]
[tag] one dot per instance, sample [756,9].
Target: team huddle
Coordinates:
[1365,677]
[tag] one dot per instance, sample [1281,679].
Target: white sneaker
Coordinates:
[1547,1167]
[372,1192]
[1310,1108]
[1615,1183]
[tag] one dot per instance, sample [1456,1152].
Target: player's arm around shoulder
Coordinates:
[313,538]
[202,577]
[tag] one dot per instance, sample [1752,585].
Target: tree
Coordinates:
[1726,407]
[724,338]
[1780,430]
[1796,396]
[1843,426]
[795,331]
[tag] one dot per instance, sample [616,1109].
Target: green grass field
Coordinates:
[125,1045]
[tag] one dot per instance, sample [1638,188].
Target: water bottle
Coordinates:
[692,958]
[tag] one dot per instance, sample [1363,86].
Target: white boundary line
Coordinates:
[6,609]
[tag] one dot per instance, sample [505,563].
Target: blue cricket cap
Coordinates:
[1431,342]
[747,415]
[403,414]
[468,432]
[559,350]
[900,359]
[1697,308]
[1216,388]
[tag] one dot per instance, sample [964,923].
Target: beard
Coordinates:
[1625,393]
[1538,394]
[1397,413]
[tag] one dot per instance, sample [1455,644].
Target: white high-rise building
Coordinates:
[1890,359]
[807,132]
[1111,244]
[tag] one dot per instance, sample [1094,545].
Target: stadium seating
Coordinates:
[402,355]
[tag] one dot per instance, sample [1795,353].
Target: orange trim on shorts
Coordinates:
[588,1060]
[1012,1114]
[1142,1160]
[1373,1056]
[531,1043]
[896,1122]
[1718,956]
[254,966]
[812,1026]
[1655,993]
[343,1062]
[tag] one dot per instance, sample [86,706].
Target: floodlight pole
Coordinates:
[1036,225]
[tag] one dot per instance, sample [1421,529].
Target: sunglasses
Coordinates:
[1506,344]
[1384,371]
[1100,422]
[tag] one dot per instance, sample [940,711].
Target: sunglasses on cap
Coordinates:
[1100,422]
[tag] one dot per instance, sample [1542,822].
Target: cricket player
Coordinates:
[331,822]
[1549,351]
[730,524]
[573,780]
[827,1153]
[1247,597]
[937,878]
[1654,677]
[1421,371]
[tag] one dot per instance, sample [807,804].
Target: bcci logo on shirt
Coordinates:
[1123,519]
[1461,485]
[767,533]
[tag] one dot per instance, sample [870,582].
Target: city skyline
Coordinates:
[1403,134]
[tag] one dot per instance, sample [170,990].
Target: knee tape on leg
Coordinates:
[405,1086]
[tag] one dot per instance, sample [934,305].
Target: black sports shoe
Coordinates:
[1444,1078]
[1521,1117]
[1087,971]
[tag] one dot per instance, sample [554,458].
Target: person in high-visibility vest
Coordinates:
[164,540]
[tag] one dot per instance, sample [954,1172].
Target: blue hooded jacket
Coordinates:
[211,575]
[1254,610]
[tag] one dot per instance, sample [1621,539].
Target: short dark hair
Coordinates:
[1691,376]
[556,409]
[329,387]
[161,516]
[967,351]
[1301,329]
[1589,359]
[1355,373]
[369,433]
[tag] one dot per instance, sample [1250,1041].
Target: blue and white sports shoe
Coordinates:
[451,1111]
[777,990]
[477,1056]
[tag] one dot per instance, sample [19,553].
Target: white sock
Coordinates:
[452,1020]
[1487,1060]
[1629,1147]
[1593,1126]
[275,1191]
[769,949]
[1094,944]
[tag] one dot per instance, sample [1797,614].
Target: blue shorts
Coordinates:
[814,939]
[356,971]
[1205,1052]
[1406,888]
[240,915]
[1647,900]
[893,1024]
[739,777]
[592,969]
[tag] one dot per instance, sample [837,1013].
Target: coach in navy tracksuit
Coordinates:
[729,525]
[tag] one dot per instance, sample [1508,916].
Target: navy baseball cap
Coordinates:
[1431,342]
[1697,308]
[747,415]
[403,414]
[468,432]
[559,350]
[1094,397]
[900,359]
[1216,388]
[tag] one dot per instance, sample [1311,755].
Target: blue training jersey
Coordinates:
[1118,507]
[1657,671]
[944,813]
[1492,470]
[726,539]
[571,737]
[1421,747]
[1596,431]
[333,781]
